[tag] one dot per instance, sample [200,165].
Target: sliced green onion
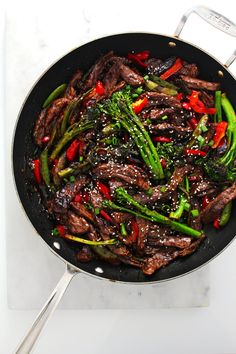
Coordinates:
[164,117]
[72,179]
[96,211]
[204,128]
[163,189]
[195,213]
[123,229]
[211,143]
[201,140]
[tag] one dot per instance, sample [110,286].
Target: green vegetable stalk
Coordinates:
[230,154]
[183,205]
[88,242]
[225,216]
[124,198]
[198,130]
[44,168]
[56,93]
[119,107]
[218,114]
[71,132]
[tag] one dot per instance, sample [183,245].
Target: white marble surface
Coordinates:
[37,34]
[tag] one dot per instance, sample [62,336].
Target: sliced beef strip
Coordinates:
[170,130]
[158,194]
[46,117]
[143,227]
[63,197]
[96,198]
[121,251]
[200,84]
[39,127]
[130,76]
[202,188]
[157,113]
[71,88]
[170,241]
[85,254]
[110,78]
[157,66]
[81,210]
[214,209]
[77,224]
[207,99]
[114,183]
[53,112]
[97,70]
[192,248]
[195,222]
[160,259]
[127,173]
[161,99]
[189,70]
[120,217]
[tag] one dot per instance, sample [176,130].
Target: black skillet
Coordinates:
[83,57]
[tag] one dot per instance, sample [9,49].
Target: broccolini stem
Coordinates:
[230,155]
[124,197]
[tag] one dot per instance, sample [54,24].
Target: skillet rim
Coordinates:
[172,38]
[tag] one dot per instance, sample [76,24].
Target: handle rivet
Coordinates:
[220,73]
[57,245]
[172,44]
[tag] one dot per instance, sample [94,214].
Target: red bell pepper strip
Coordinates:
[219,133]
[144,55]
[193,122]
[45,139]
[179,96]
[72,150]
[61,230]
[216,223]
[138,58]
[197,105]
[139,105]
[99,88]
[36,169]
[79,197]
[163,163]
[187,106]
[85,196]
[173,70]
[195,152]
[161,139]
[105,216]
[205,201]
[104,190]
[134,230]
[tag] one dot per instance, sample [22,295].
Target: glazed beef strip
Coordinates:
[161,99]
[158,194]
[200,84]
[127,173]
[63,197]
[214,209]
[46,119]
[170,130]
[97,70]
[160,259]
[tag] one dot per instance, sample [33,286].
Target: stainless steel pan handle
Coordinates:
[213,18]
[29,340]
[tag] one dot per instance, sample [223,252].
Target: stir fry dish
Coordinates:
[133,158]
